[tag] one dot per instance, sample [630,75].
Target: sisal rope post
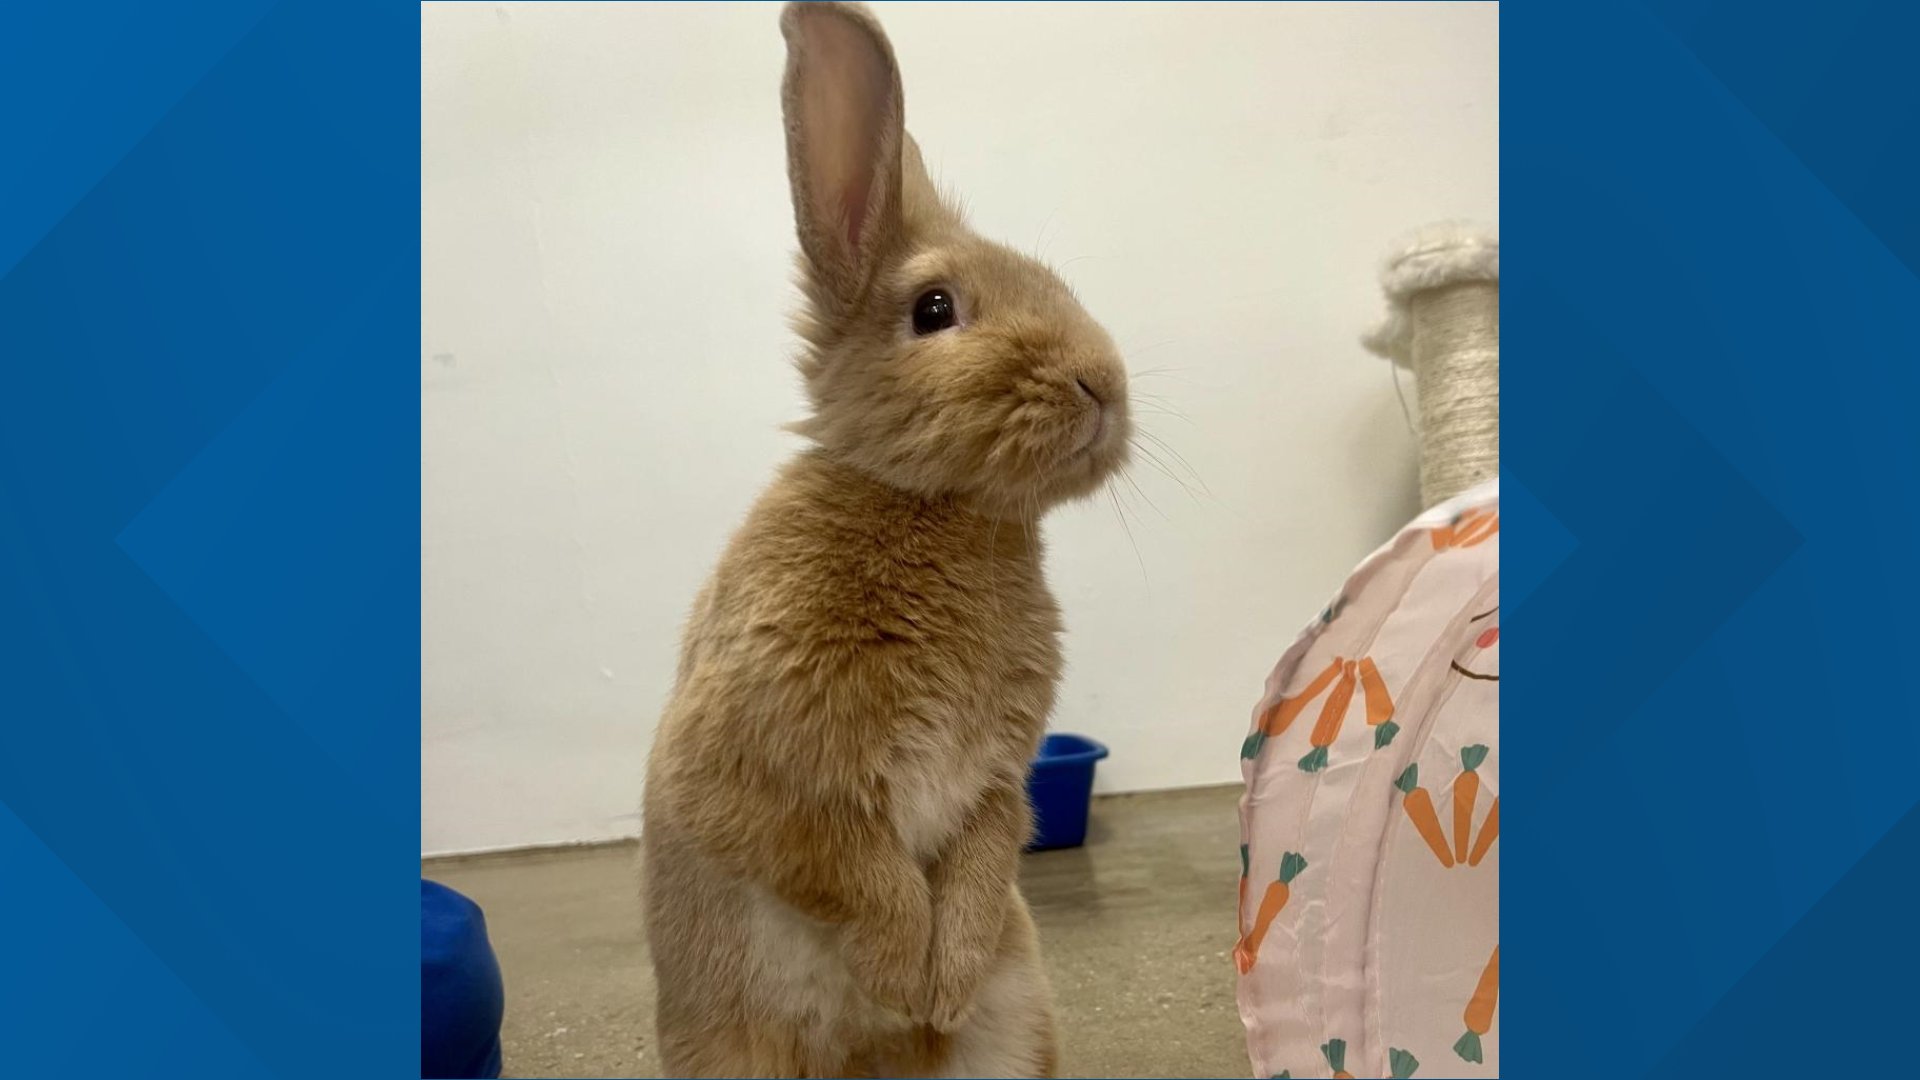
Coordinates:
[1443,323]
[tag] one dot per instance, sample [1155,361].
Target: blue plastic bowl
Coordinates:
[1060,786]
[461,996]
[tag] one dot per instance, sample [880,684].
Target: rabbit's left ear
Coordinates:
[845,134]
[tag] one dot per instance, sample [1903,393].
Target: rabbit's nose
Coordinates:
[1087,392]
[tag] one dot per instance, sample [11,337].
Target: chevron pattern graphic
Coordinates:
[1711,300]
[209,244]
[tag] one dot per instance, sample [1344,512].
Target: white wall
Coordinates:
[604,360]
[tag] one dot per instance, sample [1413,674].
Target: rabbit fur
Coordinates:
[835,804]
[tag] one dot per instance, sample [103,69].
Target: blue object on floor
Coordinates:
[1060,786]
[461,997]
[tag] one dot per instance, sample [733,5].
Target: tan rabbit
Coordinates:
[836,803]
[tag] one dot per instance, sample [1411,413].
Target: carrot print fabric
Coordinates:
[1370,858]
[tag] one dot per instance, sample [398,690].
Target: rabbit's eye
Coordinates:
[933,312]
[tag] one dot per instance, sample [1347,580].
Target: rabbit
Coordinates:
[835,803]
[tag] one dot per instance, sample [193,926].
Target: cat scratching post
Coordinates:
[1443,324]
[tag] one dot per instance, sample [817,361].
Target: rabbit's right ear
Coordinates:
[845,129]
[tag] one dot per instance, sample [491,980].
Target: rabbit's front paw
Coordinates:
[958,972]
[890,964]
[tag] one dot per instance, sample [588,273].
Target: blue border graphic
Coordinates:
[209,228]
[1711,298]
[209,242]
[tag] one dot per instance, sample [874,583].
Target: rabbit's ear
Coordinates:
[921,204]
[844,116]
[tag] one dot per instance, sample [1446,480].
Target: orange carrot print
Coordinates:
[1336,1051]
[1480,1008]
[1466,792]
[1240,913]
[1248,951]
[1402,1063]
[1280,715]
[1478,531]
[1420,811]
[1379,705]
[1489,832]
[1470,528]
[1332,714]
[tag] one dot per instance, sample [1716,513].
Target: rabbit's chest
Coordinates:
[967,738]
[935,790]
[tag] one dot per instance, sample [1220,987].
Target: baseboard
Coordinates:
[571,846]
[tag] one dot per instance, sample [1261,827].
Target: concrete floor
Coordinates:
[1136,926]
